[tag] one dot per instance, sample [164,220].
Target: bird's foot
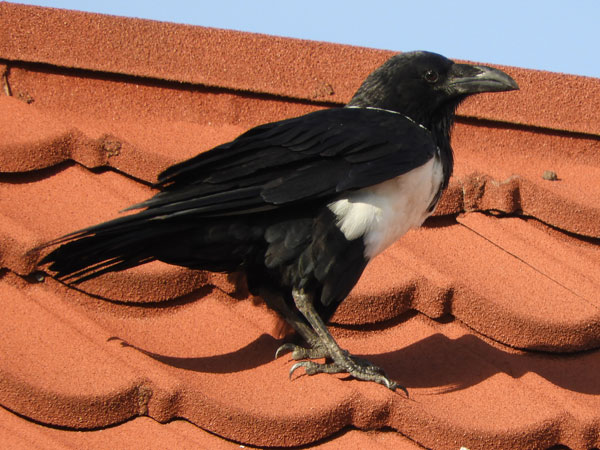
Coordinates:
[356,367]
[321,344]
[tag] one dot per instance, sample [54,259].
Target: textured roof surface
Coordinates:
[489,315]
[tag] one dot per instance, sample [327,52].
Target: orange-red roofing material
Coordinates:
[489,315]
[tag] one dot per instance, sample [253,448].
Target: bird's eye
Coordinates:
[431,76]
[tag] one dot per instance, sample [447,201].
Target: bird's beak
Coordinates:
[465,79]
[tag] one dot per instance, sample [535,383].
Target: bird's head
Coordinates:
[426,86]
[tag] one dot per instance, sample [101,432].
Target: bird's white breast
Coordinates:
[384,212]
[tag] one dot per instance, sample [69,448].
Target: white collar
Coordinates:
[389,111]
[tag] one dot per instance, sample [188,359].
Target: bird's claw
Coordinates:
[296,366]
[284,349]
[358,369]
[345,363]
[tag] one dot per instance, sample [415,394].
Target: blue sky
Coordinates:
[560,36]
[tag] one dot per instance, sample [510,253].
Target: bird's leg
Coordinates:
[342,361]
[315,349]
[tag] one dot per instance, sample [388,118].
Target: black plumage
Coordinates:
[285,201]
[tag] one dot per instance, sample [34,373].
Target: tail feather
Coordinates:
[196,242]
[88,254]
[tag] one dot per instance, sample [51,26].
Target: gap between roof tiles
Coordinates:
[162,82]
[6,86]
[562,232]
[519,196]
[185,85]
[5,70]
[520,214]
[520,259]
[483,122]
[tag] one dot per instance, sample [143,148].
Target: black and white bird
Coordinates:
[302,205]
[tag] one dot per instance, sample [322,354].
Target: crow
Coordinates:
[300,206]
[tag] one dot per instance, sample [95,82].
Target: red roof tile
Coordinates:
[489,314]
[17,433]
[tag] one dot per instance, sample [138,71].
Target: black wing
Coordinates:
[315,156]
[312,158]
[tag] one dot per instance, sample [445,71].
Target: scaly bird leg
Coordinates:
[315,349]
[342,361]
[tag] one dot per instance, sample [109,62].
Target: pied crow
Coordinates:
[301,205]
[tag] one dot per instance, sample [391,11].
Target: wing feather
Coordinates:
[312,157]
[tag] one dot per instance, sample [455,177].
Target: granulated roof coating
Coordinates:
[489,315]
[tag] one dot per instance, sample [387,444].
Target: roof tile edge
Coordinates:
[293,68]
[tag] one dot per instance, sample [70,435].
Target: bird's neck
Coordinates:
[440,127]
[439,124]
